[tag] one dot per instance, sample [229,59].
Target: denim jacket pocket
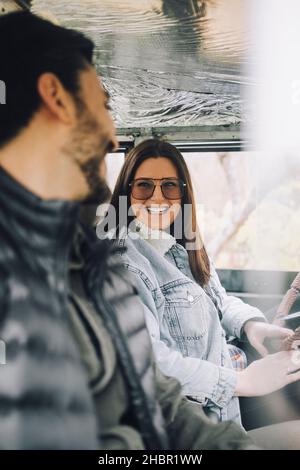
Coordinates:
[186,316]
[182,294]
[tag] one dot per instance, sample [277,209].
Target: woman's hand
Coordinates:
[268,374]
[257,332]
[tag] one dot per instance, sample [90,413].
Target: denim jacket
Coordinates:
[187,324]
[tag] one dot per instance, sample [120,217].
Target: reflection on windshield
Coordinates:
[165,62]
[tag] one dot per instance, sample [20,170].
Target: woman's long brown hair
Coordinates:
[154,148]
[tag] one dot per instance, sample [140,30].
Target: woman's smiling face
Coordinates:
[159,210]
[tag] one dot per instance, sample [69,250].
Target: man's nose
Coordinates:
[113,135]
[114,143]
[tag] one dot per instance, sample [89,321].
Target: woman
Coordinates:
[188,312]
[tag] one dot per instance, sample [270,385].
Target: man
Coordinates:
[53,100]
[54,133]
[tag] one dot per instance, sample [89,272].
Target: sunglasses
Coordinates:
[171,188]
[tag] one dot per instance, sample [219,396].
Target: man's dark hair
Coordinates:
[29,47]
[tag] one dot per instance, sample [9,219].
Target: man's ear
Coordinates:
[56,99]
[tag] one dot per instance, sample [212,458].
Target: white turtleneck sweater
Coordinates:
[160,240]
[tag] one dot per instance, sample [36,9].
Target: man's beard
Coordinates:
[99,191]
[88,139]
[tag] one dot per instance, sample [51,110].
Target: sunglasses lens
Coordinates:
[142,189]
[172,189]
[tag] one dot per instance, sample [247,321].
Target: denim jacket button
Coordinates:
[190,297]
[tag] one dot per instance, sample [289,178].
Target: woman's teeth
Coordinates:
[157,210]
